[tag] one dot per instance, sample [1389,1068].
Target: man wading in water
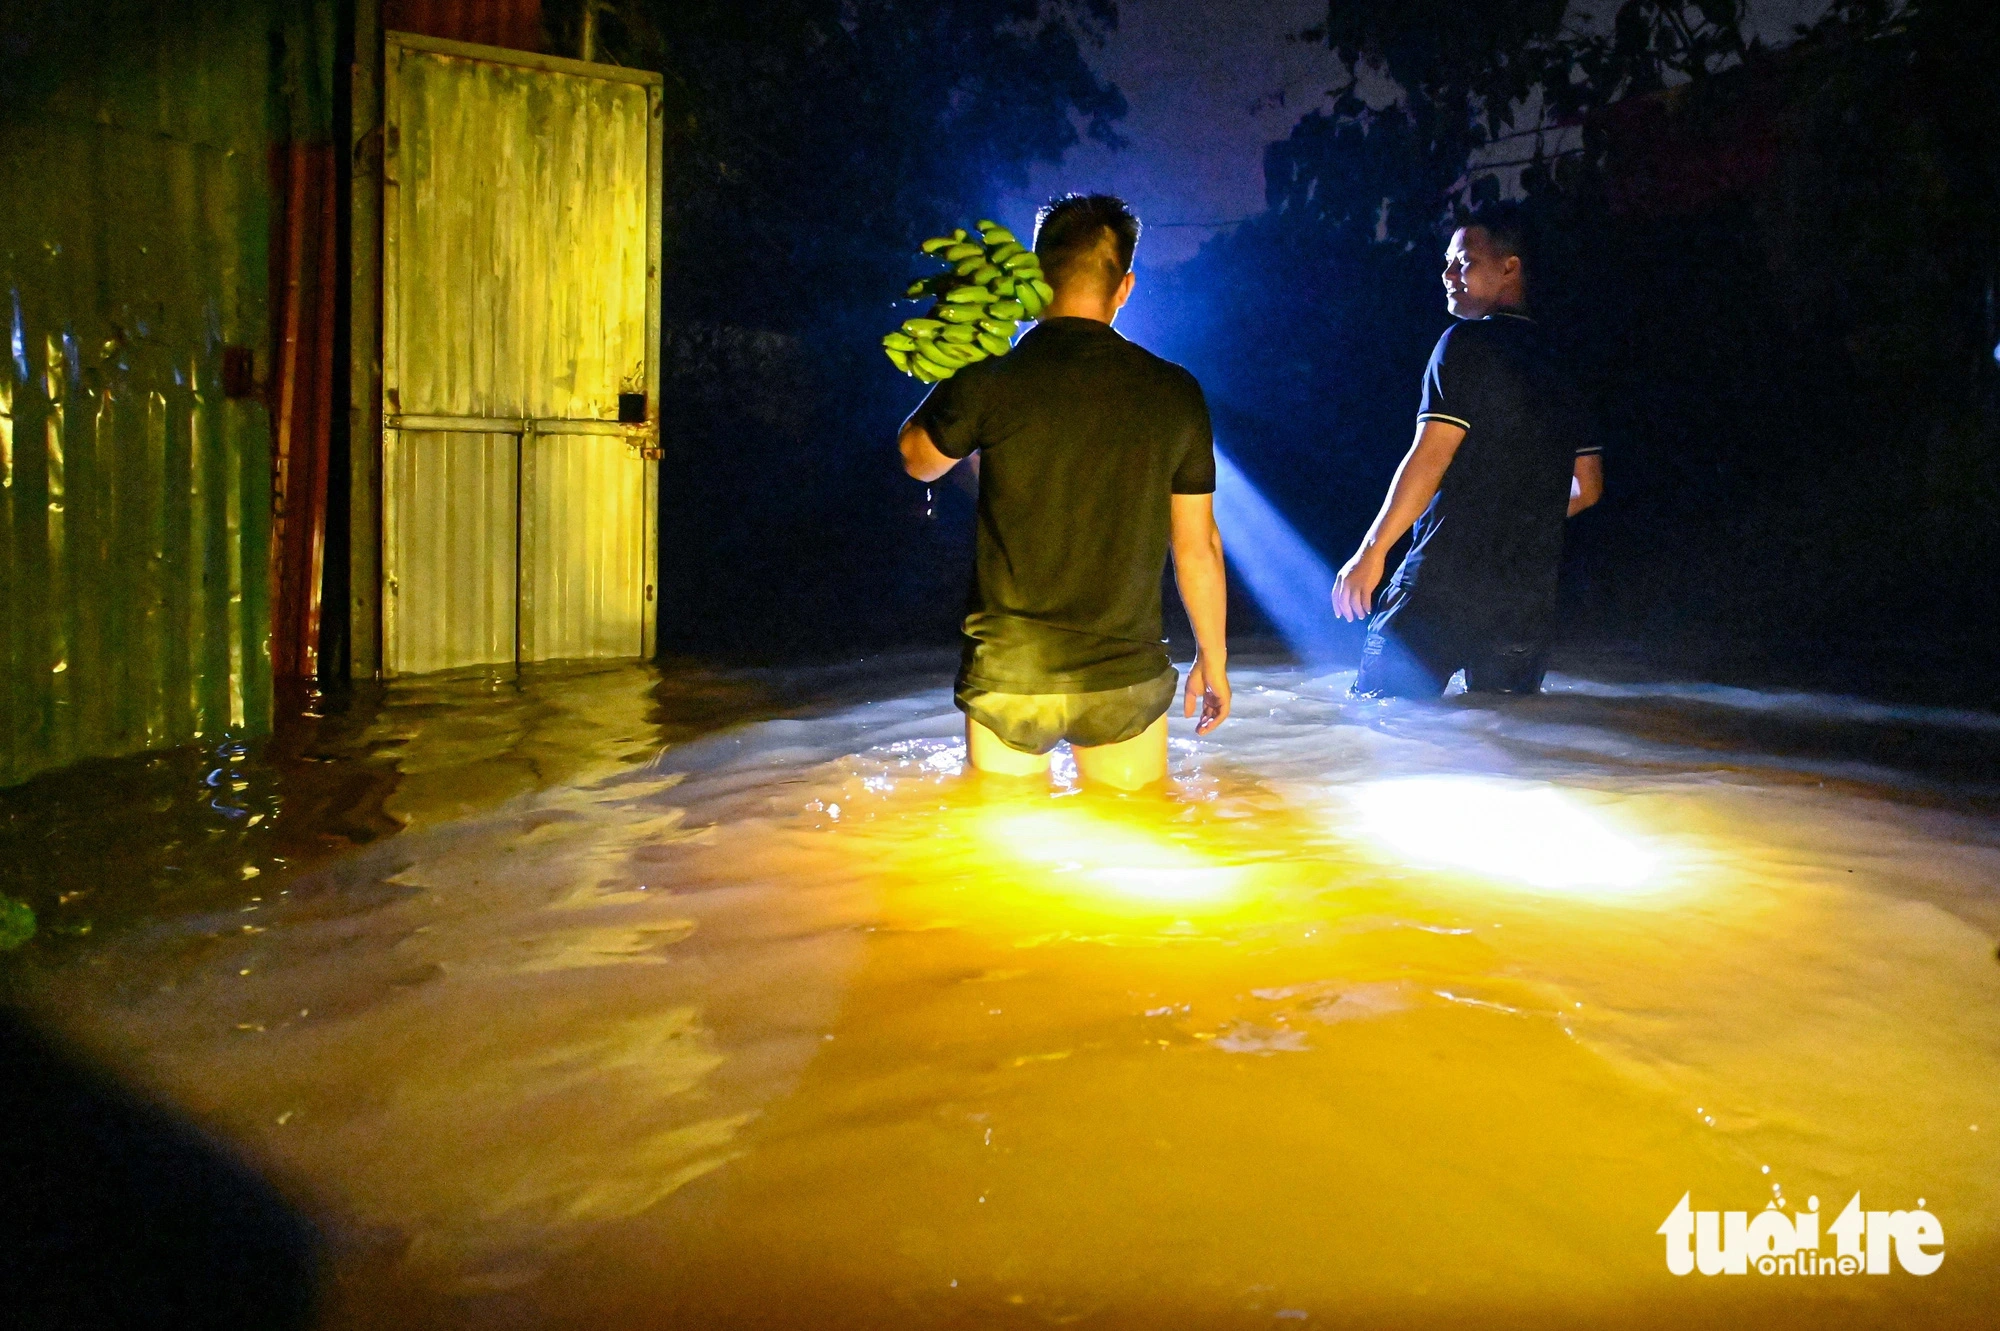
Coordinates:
[1095,458]
[1502,456]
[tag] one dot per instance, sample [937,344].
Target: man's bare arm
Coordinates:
[1204,583]
[1586,482]
[1416,484]
[921,457]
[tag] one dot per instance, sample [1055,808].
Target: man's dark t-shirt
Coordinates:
[1082,438]
[1493,536]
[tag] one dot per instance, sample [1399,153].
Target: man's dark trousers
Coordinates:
[1416,642]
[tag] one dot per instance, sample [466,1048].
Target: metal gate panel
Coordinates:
[521,205]
[450,520]
[521,297]
[586,569]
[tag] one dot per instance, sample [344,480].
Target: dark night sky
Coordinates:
[1211,82]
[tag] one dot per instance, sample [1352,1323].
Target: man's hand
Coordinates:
[1586,482]
[1410,493]
[1208,690]
[1354,589]
[1204,583]
[921,458]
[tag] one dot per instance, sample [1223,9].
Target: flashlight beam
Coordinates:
[1289,580]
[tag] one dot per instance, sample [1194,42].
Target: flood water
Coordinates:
[632,998]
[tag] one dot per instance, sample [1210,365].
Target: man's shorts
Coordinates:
[1037,722]
[1414,647]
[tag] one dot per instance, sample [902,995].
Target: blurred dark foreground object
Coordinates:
[114,1213]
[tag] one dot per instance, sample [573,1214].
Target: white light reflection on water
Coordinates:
[1514,832]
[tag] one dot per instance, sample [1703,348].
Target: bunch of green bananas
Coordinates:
[992,284]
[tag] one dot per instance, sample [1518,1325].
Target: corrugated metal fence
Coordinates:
[135,451]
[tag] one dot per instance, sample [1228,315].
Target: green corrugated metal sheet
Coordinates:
[134,497]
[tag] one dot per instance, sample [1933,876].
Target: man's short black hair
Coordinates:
[1071,239]
[1506,226]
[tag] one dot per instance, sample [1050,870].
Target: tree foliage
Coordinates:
[815,141]
[1470,74]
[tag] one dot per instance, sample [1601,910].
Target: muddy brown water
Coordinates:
[636,997]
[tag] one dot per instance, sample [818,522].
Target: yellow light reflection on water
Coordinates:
[1303,1038]
[1508,831]
[1106,854]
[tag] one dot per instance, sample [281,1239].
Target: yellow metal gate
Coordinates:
[520,356]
